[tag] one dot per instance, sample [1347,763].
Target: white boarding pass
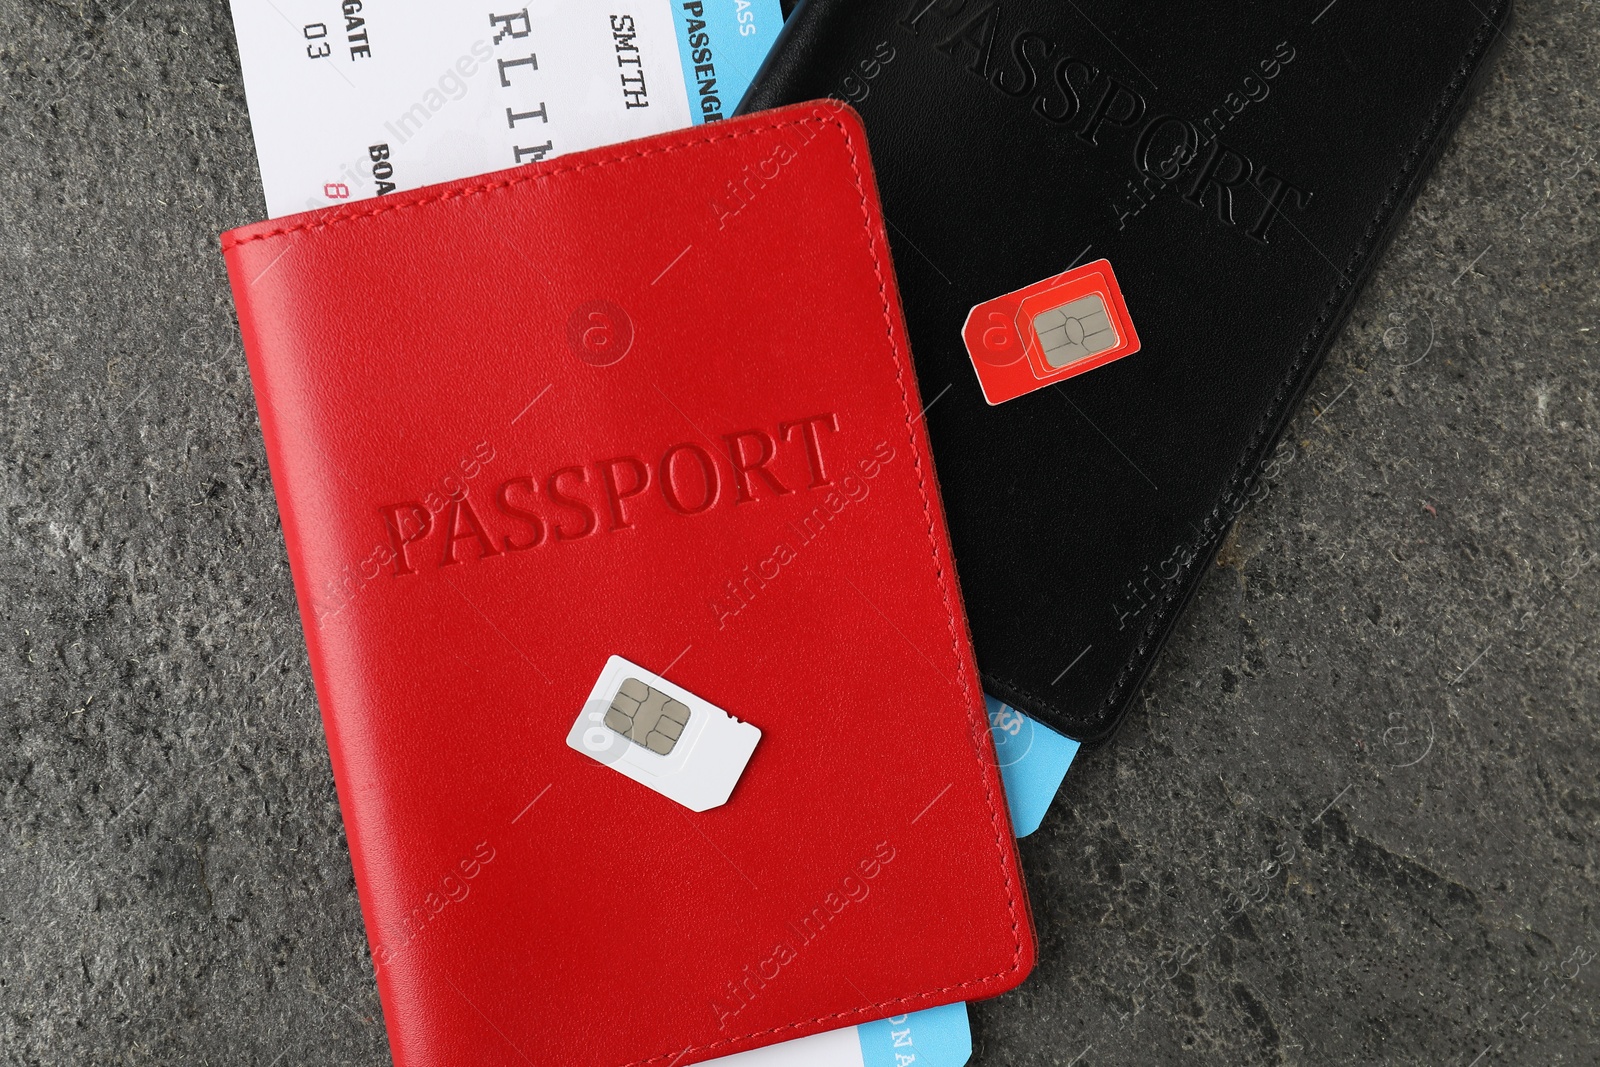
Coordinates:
[351,99]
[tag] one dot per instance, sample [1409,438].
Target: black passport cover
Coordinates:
[1241,164]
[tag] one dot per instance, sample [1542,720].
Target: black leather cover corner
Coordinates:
[1241,164]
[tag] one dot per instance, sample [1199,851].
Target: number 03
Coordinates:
[315,31]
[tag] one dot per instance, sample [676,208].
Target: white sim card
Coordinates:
[663,736]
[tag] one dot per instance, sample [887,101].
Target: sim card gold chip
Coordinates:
[647,716]
[1075,331]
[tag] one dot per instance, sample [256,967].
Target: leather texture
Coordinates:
[1241,165]
[506,419]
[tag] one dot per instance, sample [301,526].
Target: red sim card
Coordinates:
[1049,331]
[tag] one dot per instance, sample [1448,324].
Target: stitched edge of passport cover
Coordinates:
[1024,951]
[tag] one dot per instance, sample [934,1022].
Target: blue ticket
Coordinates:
[722,44]
[1033,761]
[935,1037]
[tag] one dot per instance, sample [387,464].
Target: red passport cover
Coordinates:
[655,401]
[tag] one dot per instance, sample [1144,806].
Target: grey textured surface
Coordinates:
[1384,697]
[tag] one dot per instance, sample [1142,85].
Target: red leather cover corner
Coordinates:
[652,400]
